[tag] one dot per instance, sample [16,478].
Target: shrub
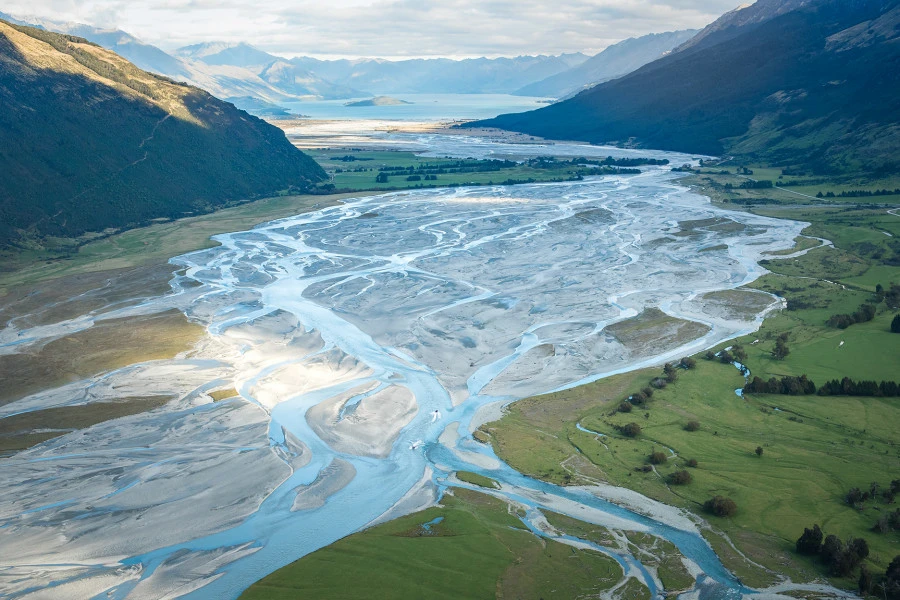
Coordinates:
[759,450]
[647,392]
[638,398]
[688,362]
[721,506]
[657,458]
[692,426]
[692,463]
[895,324]
[625,407]
[710,355]
[630,430]
[680,478]
[659,383]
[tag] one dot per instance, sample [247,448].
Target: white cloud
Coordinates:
[389,28]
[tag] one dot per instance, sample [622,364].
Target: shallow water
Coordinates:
[459,298]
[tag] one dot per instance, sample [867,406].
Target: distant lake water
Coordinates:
[424,107]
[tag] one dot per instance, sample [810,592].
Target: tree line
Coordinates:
[860,193]
[803,386]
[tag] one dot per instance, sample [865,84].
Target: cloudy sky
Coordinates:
[387,28]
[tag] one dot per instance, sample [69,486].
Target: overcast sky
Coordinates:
[387,28]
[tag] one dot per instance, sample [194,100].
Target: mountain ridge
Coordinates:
[93,143]
[774,92]
[615,61]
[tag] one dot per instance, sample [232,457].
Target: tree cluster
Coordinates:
[891,297]
[856,497]
[803,386]
[781,349]
[888,522]
[864,314]
[630,430]
[788,385]
[840,558]
[848,387]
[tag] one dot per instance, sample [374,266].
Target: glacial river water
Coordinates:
[369,339]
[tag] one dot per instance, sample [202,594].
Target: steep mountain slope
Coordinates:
[440,75]
[810,87]
[615,61]
[741,20]
[89,142]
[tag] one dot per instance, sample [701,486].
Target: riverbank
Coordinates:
[814,449]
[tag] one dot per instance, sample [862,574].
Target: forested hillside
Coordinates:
[89,142]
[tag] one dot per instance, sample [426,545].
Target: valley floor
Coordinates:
[480,540]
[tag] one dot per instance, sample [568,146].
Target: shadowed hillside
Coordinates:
[90,142]
[818,86]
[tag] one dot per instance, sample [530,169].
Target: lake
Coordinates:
[424,107]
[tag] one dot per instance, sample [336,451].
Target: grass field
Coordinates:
[469,547]
[361,172]
[807,466]
[476,479]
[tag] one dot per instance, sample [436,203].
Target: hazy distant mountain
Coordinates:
[295,80]
[441,75]
[818,85]
[379,101]
[615,61]
[102,144]
[224,53]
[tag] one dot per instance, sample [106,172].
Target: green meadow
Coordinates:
[471,546]
[353,169]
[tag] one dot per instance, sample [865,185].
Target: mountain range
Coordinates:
[615,61]
[813,83]
[241,71]
[90,142]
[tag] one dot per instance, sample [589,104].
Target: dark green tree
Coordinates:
[811,541]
